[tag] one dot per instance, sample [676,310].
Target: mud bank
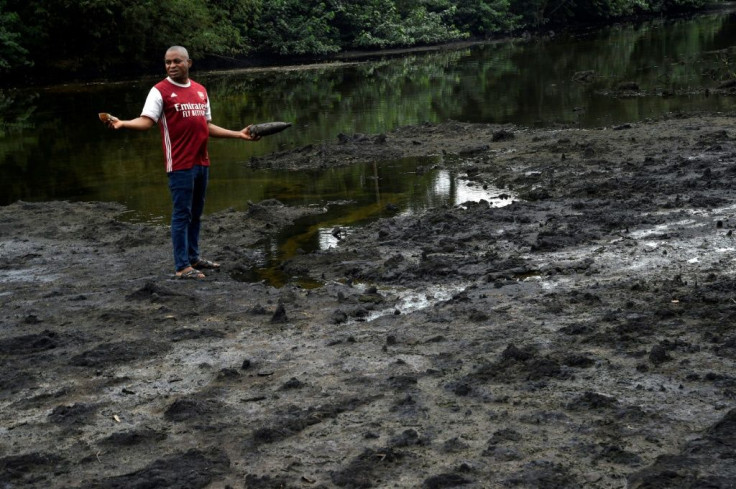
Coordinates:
[580,337]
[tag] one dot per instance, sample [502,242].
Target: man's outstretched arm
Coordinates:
[219,132]
[141,123]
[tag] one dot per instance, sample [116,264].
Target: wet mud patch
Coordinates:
[195,469]
[14,380]
[73,415]
[110,354]
[369,468]
[20,357]
[186,334]
[267,482]
[152,291]
[581,336]
[295,420]
[519,365]
[31,343]
[544,474]
[30,468]
[446,480]
[704,462]
[132,438]
[198,411]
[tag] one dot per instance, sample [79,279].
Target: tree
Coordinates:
[92,38]
[369,24]
[485,17]
[296,27]
[424,26]
[12,54]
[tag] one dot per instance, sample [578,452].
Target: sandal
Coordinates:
[203,264]
[190,273]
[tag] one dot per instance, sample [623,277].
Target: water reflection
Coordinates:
[443,188]
[461,190]
[397,187]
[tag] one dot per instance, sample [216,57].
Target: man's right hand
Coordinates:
[141,123]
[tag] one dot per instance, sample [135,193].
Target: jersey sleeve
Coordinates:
[154,106]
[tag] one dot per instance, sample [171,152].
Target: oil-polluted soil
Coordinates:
[583,336]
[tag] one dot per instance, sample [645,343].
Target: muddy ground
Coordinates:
[581,337]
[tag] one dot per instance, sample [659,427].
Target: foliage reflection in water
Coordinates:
[396,187]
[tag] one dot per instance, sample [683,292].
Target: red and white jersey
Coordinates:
[182,113]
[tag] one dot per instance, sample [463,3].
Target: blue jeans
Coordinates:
[188,189]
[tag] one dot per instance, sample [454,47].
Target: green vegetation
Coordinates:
[87,38]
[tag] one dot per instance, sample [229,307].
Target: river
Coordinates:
[52,146]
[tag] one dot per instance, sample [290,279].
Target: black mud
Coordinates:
[580,337]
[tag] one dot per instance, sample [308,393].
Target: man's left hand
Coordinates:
[247,135]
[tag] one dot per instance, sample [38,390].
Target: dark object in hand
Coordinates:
[268,128]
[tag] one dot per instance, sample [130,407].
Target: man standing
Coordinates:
[181,108]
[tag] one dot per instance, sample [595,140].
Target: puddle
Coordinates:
[35,274]
[355,196]
[412,300]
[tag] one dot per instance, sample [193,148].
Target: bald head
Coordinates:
[180,50]
[177,64]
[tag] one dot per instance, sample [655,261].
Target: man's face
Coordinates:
[177,66]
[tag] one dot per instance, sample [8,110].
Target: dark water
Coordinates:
[52,147]
[351,197]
